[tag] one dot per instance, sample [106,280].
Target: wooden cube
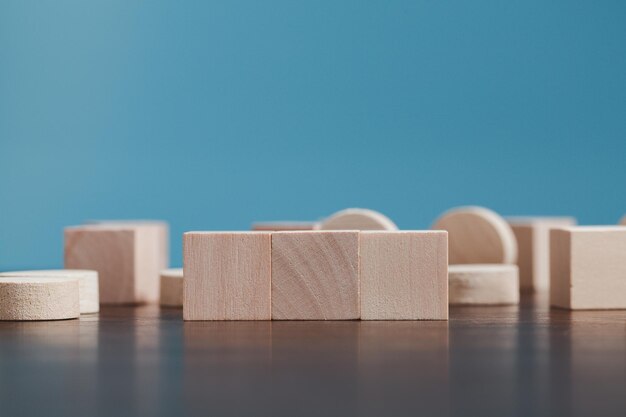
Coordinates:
[588,267]
[404,275]
[533,245]
[128,258]
[227,276]
[315,275]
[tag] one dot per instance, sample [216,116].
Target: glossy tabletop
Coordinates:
[485,361]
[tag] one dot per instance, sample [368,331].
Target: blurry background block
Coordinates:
[477,235]
[281,226]
[483,284]
[588,267]
[128,258]
[357,219]
[171,290]
[533,249]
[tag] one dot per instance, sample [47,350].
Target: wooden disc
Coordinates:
[87,281]
[357,219]
[39,298]
[477,235]
[483,284]
[171,287]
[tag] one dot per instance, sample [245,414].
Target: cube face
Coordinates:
[404,275]
[111,252]
[315,275]
[227,276]
[588,268]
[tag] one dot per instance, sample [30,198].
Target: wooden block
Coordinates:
[484,284]
[283,226]
[89,299]
[171,288]
[357,219]
[404,275]
[39,298]
[533,247]
[128,258]
[162,229]
[315,275]
[227,276]
[477,236]
[623,221]
[588,267]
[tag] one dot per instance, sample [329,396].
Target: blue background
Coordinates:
[213,115]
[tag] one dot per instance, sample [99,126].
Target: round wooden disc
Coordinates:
[172,287]
[357,219]
[87,281]
[41,298]
[483,284]
[477,235]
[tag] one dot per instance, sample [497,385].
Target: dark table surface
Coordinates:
[498,361]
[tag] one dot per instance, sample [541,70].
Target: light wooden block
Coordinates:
[588,267]
[283,226]
[39,298]
[227,276]
[477,235]
[315,275]
[623,220]
[404,275]
[128,258]
[171,294]
[533,244]
[484,284]
[357,219]
[87,282]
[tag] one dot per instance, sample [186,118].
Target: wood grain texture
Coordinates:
[315,275]
[484,284]
[588,267]
[357,219]
[89,299]
[533,244]
[282,226]
[227,276]
[171,294]
[39,298]
[404,275]
[128,258]
[477,236]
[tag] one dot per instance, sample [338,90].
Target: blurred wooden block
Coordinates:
[89,299]
[39,298]
[227,276]
[483,284]
[588,267]
[477,235]
[315,275]
[283,226]
[171,294]
[533,244]
[623,220]
[357,219]
[128,258]
[404,275]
